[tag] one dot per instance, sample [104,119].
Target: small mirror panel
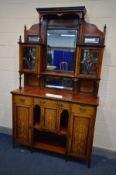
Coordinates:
[58,82]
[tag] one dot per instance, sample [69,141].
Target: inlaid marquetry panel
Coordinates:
[80,135]
[22,124]
[50,116]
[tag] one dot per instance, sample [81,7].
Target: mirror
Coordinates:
[58,82]
[61,50]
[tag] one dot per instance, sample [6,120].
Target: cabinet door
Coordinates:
[82,127]
[22,119]
[90,62]
[50,115]
[80,135]
[29,58]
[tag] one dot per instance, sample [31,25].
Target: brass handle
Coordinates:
[22,100]
[42,101]
[60,105]
[82,110]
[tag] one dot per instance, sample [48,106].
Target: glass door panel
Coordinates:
[29,58]
[89,61]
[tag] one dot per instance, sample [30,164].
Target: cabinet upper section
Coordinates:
[60,32]
[64,22]
[62,49]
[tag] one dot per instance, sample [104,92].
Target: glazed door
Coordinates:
[90,62]
[22,120]
[29,56]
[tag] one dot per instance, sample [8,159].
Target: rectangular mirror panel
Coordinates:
[61,50]
[58,82]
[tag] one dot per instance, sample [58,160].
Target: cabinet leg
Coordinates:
[31,150]
[13,144]
[89,163]
[66,158]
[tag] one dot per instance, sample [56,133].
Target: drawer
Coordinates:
[63,105]
[39,101]
[83,109]
[51,104]
[45,102]
[22,100]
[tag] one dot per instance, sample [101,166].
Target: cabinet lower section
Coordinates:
[64,127]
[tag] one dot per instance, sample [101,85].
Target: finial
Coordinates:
[104,29]
[104,32]
[20,39]
[25,28]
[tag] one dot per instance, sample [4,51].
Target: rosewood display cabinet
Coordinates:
[60,60]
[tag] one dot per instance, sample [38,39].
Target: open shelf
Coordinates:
[36,113]
[51,148]
[58,73]
[49,141]
[37,126]
[63,131]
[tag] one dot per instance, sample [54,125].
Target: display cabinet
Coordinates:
[60,59]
